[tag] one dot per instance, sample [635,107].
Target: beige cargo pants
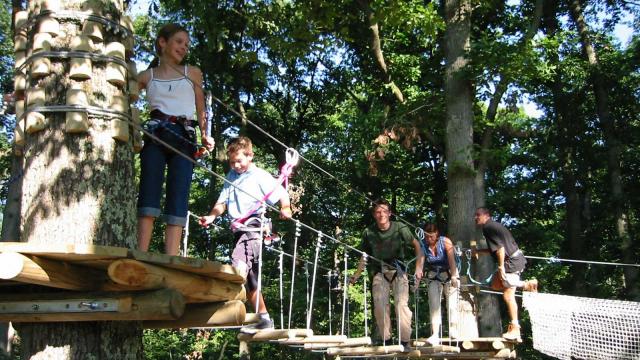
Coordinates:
[382,308]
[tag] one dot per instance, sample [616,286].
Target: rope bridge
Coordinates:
[569,327]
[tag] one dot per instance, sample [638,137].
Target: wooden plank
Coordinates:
[46,272]
[155,305]
[468,355]
[365,350]
[66,252]
[276,334]
[438,349]
[316,339]
[212,269]
[230,313]
[192,286]
[349,342]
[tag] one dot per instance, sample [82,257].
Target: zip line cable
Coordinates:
[557,260]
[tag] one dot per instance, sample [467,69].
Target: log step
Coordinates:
[349,342]
[365,350]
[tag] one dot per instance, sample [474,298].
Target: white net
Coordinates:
[568,327]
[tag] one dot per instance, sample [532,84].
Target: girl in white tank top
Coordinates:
[176,91]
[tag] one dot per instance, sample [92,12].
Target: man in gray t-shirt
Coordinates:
[511,263]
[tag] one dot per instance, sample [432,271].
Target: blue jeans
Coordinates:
[154,158]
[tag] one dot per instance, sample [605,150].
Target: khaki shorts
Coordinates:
[511,280]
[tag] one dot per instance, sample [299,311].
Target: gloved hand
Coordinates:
[455,281]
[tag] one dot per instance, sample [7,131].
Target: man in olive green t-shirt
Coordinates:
[385,240]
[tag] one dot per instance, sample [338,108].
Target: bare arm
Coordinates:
[419,260]
[448,244]
[500,258]
[143,79]
[217,210]
[195,75]
[285,206]
[361,265]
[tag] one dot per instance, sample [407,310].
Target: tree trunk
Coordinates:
[11,213]
[565,141]
[79,187]
[459,128]
[614,150]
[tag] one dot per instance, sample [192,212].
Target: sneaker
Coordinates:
[433,340]
[531,285]
[406,346]
[513,333]
[263,324]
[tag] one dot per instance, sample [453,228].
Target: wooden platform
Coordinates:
[76,282]
[101,257]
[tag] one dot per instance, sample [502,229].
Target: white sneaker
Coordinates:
[433,340]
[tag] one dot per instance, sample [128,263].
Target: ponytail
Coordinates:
[154,63]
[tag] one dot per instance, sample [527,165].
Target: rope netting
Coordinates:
[569,327]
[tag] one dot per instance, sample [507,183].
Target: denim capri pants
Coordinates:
[154,159]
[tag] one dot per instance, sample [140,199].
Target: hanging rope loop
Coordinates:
[292,156]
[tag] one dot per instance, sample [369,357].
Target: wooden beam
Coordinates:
[365,350]
[192,286]
[155,305]
[52,273]
[230,313]
[212,269]
[65,252]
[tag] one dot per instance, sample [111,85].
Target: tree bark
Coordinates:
[614,150]
[80,188]
[11,213]
[459,128]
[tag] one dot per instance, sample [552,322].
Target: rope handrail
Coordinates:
[554,259]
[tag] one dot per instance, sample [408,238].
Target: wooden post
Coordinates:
[244,350]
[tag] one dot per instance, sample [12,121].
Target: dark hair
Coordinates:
[241,143]
[165,32]
[484,211]
[430,228]
[380,202]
